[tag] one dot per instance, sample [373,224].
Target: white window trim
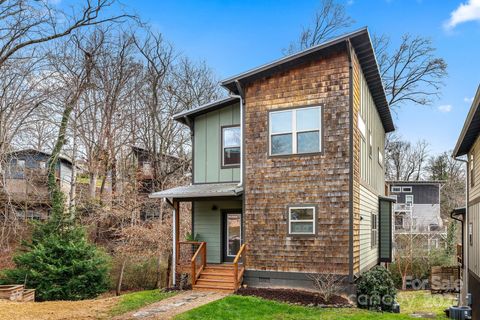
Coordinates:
[406,189]
[222,135]
[409,196]
[374,238]
[294,132]
[309,220]
[380,157]
[394,189]
[362,127]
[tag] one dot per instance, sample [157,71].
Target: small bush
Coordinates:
[376,290]
[60,266]
[328,285]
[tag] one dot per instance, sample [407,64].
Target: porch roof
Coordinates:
[201,191]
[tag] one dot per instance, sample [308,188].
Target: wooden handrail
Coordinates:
[236,274]
[203,249]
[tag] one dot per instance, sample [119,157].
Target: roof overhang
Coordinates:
[470,130]
[207,190]
[186,117]
[362,44]
[405,182]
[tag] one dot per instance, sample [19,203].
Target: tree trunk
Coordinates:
[118,289]
[92,185]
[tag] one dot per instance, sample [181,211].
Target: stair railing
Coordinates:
[200,253]
[238,274]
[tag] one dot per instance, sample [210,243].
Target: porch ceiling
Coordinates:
[201,191]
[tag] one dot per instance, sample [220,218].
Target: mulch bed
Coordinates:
[299,297]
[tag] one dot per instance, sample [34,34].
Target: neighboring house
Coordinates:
[468,145]
[288,172]
[417,214]
[24,182]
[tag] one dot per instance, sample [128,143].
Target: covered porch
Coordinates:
[214,255]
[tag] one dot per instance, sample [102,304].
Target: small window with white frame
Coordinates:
[406,189]
[409,199]
[361,126]
[374,229]
[301,220]
[470,233]
[231,146]
[370,145]
[295,131]
[396,189]
[380,157]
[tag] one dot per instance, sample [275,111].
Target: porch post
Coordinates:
[176,239]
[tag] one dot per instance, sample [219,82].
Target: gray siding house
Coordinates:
[417,213]
[24,182]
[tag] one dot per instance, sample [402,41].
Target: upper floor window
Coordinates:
[409,199]
[396,189]
[231,146]
[380,157]
[472,170]
[295,131]
[407,189]
[370,144]
[42,164]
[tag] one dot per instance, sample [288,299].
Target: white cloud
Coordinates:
[468,100]
[469,11]
[445,108]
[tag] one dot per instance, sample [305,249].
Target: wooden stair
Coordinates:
[217,278]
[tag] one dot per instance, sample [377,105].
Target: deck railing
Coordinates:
[200,259]
[240,257]
[186,250]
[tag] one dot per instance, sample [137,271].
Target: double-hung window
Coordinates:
[374,230]
[301,220]
[231,146]
[296,131]
[409,199]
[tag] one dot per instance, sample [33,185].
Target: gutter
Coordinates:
[240,97]
[463,294]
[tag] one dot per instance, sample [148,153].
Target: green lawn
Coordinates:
[136,300]
[241,307]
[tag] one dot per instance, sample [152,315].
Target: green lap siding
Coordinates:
[207,224]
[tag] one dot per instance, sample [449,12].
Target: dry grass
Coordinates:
[57,310]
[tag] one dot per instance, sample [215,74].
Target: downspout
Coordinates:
[240,97]
[464,288]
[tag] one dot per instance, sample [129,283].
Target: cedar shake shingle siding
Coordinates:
[274,183]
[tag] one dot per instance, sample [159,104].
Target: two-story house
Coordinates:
[288,173]
[24,182]
[467,150]
[417,216]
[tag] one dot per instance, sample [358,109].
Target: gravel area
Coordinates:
[56,310]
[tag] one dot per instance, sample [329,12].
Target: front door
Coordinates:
[232,235]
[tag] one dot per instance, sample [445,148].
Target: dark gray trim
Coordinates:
[315,220]
[232,166]
[361,42]
[380,258]
[184,116]
[322,132]
[470,130]
[350,153]
[288,279]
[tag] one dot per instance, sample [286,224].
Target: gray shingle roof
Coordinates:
[201,191]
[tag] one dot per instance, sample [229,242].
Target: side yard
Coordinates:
[231,307]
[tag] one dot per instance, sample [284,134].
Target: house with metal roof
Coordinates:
[288,173]
[467,150]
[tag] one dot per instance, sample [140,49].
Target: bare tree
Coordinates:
[330,19]
[411,72]
[405,161]
[26,23]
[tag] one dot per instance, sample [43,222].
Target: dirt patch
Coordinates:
[56,310]
[305,298]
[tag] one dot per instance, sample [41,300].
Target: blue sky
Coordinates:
[233,36]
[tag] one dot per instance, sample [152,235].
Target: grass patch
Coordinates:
[248,307]
[423,301]
[136,300]
[243,307]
